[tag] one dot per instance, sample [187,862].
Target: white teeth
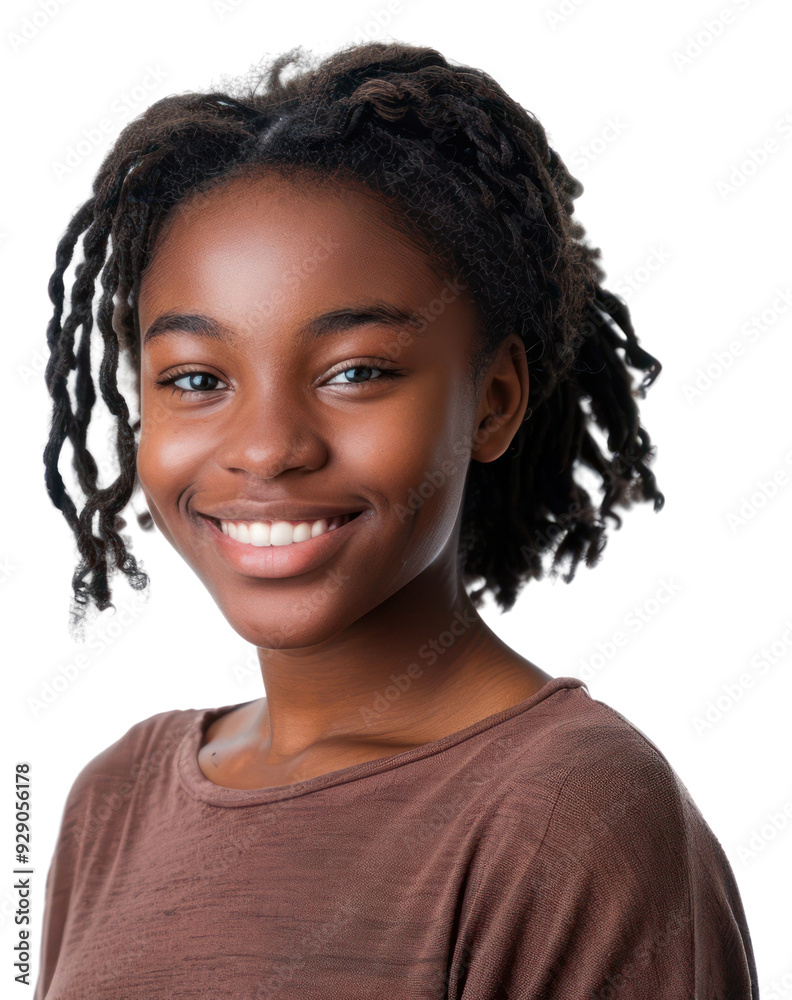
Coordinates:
[281,533]
[302,532]
[261,533]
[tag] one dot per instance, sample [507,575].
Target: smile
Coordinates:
[263,533]
[280,549]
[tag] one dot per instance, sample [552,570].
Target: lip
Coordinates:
[242,511]
[277,562]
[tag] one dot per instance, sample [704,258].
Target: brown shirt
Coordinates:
[547,852]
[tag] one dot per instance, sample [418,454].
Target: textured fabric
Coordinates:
[548,852]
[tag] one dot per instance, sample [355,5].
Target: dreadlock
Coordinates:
[468,173]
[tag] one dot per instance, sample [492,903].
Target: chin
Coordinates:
[260,622]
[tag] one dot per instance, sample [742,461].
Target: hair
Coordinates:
[465,172]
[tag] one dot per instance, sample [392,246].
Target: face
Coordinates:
[300,360]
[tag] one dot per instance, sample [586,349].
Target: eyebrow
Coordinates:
[335,321]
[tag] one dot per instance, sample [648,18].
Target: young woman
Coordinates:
[370,349]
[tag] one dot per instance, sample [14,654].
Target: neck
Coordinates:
[396,676]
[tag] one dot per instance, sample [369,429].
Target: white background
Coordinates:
[655,108]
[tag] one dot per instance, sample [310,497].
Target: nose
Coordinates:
[267,432]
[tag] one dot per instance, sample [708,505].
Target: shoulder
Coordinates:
[607,873]
[152,737]
[596,753]
[579,747]
[609,796]
[616,779]
[620,822]
[135,764]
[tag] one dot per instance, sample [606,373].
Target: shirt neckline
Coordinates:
[200,787]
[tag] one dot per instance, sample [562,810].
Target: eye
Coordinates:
[358,370]
[190,378]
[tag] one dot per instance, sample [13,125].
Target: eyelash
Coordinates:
[388,373]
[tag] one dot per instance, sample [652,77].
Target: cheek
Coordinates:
[417,456]
[166,465]
[167,458]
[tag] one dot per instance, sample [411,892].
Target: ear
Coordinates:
[503,401]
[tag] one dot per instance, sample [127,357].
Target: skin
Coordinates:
[263,255]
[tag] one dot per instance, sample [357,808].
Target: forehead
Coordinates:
[266,236]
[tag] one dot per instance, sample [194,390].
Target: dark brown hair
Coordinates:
[469,174]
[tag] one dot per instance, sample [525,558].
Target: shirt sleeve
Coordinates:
[87,799]
[628,894]
[57,894]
